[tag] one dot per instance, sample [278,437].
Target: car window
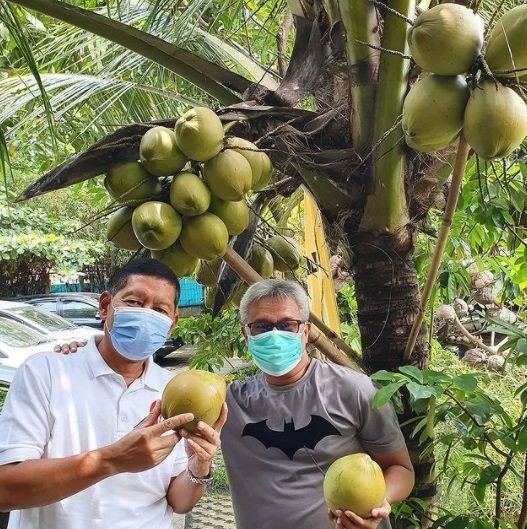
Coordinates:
[15,334]
[72,309]
[49,305]
[50,321]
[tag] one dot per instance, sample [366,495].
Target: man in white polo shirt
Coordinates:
[76,451]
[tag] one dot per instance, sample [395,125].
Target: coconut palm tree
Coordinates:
[327,111]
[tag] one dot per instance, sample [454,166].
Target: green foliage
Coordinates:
[217,339]
[487,231]
[347,307]
[29,233]
[478,423]
[3,393]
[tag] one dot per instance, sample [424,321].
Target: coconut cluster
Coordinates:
[186,194]
[467,84]
[277,253]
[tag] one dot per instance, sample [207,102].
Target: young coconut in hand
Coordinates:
[354,483]
[194,391]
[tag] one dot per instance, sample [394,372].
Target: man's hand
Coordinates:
[350,520]
[71,347]
[147,445]
[202,445]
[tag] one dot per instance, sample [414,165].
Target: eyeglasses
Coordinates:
[259,327]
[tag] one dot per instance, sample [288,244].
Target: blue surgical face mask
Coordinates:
[276,352]
[138,333]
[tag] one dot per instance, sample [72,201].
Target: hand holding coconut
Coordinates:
[355,492]
[202,446]
[201,394]
[148,444]
[350,520]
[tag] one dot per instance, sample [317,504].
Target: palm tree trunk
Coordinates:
[388,298]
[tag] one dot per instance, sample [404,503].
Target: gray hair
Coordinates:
[278,289]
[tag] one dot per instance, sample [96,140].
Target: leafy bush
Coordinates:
[217,339]
[478,424]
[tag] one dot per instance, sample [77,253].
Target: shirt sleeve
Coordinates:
[25,419]
[379,429]
[180,459]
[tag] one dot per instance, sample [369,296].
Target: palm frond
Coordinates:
[82,102]
[9,17]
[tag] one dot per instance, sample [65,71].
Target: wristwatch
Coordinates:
[202,481]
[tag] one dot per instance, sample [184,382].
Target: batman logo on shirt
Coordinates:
[290,440]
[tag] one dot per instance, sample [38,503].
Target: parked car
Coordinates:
[44,322]
[84,307]
[81,308]
[18,342]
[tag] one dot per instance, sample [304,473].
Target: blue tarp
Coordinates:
[191,293]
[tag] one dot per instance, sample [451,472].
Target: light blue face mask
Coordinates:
[138,333]
[276,352]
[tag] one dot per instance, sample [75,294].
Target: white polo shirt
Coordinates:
[62,405]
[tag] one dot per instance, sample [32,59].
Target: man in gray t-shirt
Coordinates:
[288,424]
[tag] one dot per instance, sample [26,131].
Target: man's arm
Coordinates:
[39,482]
[398,474]
[183,494]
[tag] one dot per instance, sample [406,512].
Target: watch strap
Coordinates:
[201,481]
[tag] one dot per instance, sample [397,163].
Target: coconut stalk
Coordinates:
[360,21]
[319,340]
[213,79]
[453,195]
[386,209]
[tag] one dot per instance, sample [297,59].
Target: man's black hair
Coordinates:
[143,267]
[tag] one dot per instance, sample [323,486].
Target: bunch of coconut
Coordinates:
[186,194]
[447,43]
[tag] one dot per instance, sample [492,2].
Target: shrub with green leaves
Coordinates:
[479,435]
[32,243]
[217,339]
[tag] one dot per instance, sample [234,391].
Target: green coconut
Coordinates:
[267,173]
[119,230]
[446,39]
[495,120]
[250,152]
[179,261]
[199,134]
[285,252]
[204,236]
[208,272]
[228,175]
[159,153]
[189,195]
[261,260]
[354,483]
[156,225]
[210,295]
[433,112]
[238,294]
[130,183]
[194,391]
[235,215]
[507,44]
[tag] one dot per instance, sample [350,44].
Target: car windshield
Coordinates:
[14,334]
[45,319]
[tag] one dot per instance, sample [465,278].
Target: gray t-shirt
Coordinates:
[280,440]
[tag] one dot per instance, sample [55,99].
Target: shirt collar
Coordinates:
[151,377]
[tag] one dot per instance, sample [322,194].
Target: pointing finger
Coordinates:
[172,423]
